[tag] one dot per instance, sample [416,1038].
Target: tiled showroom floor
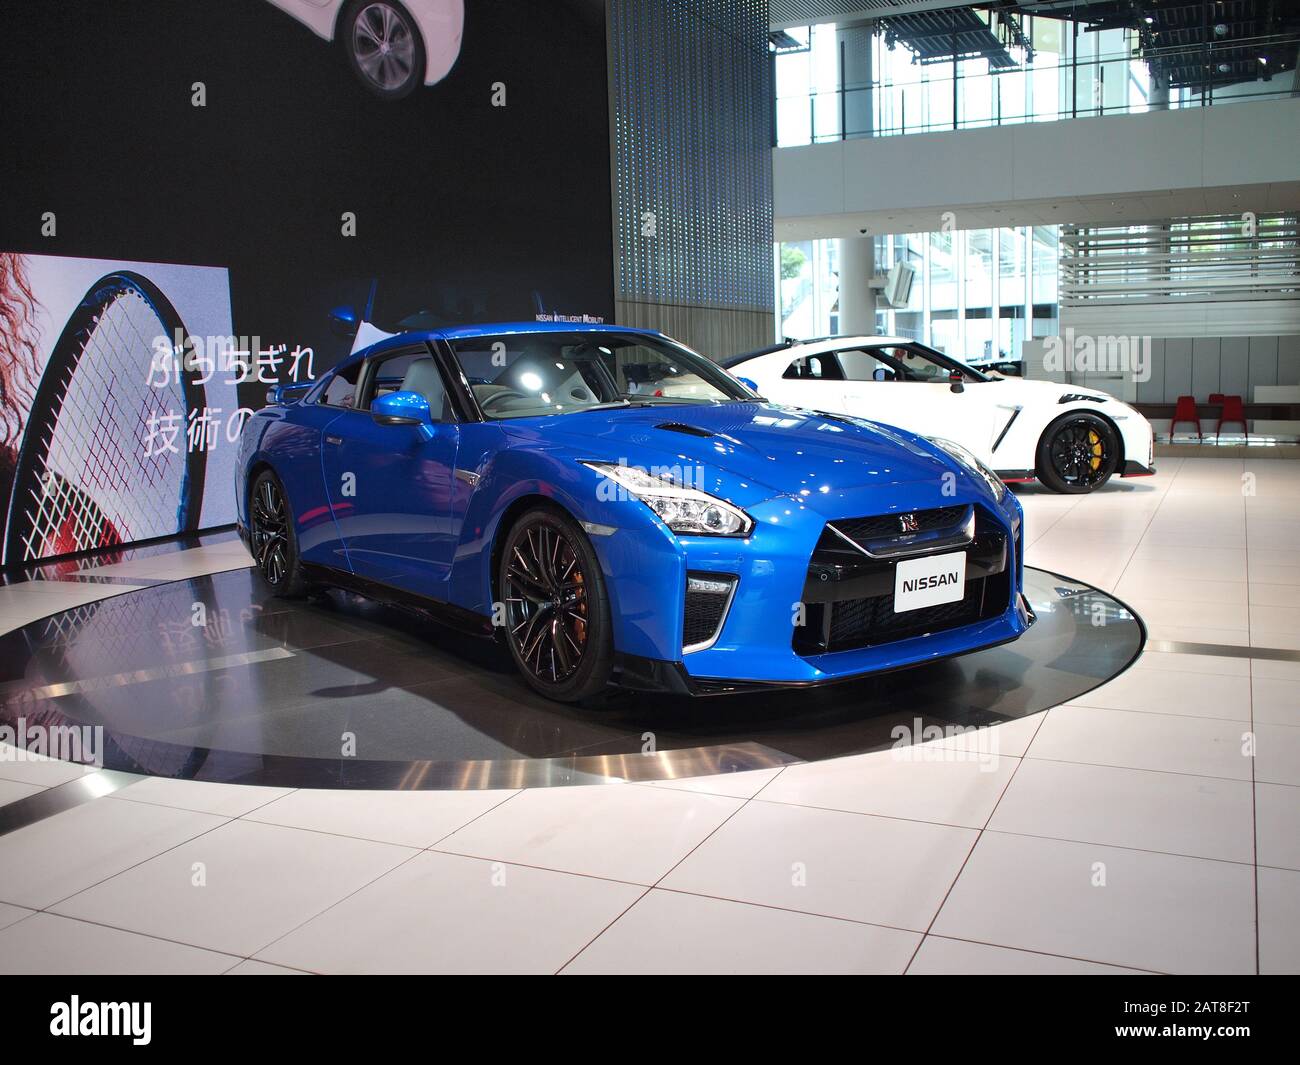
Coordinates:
[1129,832]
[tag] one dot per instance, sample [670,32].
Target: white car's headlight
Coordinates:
[968,459]
[684,510]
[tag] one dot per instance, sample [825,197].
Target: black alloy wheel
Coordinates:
[557,619]
[271,535]
[1078,453]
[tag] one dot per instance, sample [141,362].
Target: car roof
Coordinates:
[811,347]
[472,332]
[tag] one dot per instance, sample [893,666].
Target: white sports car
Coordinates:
[1071,439]
[391,45]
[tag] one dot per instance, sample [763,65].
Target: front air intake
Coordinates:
[708,595]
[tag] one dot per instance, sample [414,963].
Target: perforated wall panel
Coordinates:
[692,125]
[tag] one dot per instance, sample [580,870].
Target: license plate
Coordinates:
[921,582]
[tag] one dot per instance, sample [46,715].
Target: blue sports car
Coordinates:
[619,510]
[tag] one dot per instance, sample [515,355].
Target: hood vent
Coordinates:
[688,430]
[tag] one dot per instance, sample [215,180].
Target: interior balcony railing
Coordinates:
[932,97]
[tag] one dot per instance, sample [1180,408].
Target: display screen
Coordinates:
[199,199]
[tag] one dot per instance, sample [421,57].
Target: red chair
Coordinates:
[1216,399]
[1233,412]
[1185,411]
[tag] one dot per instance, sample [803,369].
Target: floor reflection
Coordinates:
[212,679]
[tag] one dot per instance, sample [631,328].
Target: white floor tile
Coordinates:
[407,818]
[1279,922]
[261,968]
[1276,669]
[617,831]
[1176,662]
[743,785]
[1166,743]
[1205,817]
[23,767]
[441,913]
[1277,825]
[1156,911]
[10,914]
[1277,757]
[1007,737]
[47,944]
[920,783]
[261,882]
[51,859]
[863,868]
[1188,694]
[939,956]
[227,800]
[1275,618]
[1276,701]
[668,933]
[12,791]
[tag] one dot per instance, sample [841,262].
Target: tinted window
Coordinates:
[814,368]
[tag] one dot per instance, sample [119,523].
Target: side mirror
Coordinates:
[955,381]
[344,321]
[289,393]
[751,385]
[401,408]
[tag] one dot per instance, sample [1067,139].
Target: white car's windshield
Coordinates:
[524,375]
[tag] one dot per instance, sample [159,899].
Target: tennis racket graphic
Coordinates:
[93,470]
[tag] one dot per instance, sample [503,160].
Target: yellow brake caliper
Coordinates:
[1095,446]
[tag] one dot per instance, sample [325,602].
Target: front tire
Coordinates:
[558,624]
[383,46]
[272,538]
[1077,453]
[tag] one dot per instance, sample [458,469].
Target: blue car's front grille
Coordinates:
[865,622]
[849,598]
[885,526]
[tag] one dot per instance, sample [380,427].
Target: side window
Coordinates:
[411,371]
[917,367]
[861,365]
[814,368]
[341,391]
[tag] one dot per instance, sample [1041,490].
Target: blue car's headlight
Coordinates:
[684,510]
[968,459]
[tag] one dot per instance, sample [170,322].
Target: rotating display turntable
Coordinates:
[213,679]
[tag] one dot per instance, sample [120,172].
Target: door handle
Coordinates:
[333,439]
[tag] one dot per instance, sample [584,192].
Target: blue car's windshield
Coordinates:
[524,375]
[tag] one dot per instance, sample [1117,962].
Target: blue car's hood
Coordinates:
[743,451]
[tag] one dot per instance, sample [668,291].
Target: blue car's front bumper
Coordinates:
[779,628]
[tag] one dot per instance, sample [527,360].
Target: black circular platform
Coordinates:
[214,679]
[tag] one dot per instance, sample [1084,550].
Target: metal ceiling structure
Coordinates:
[964,32]
[1197,44]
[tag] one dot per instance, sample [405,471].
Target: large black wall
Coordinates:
[463,209]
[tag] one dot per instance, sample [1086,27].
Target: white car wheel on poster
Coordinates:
[392,46]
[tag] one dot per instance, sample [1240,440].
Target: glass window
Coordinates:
[814,368]
[412,371]
[341,388]
[527,375]
[861,365]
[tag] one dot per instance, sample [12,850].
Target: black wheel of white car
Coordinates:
[383,46]
[272,539]
[557,616]
[1077,453]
